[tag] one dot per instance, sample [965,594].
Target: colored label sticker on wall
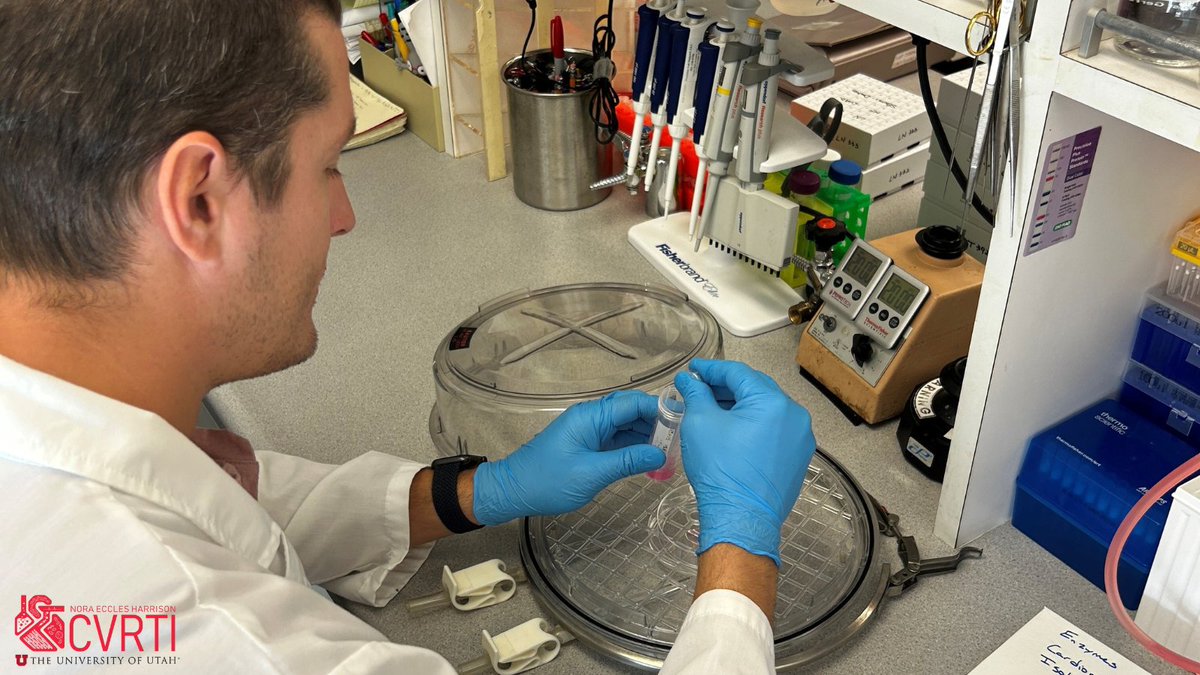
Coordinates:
[1059,194]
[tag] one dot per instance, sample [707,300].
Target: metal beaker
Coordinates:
[554,149]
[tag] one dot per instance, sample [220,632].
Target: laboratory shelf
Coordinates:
[471,122]
[1163,101]
[467,60]
[942,21]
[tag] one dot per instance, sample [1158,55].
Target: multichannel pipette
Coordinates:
[741,217]
[721,134]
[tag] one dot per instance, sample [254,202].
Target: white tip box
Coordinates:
[898,172]
[878,119]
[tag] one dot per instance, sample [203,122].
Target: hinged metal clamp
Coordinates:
[910,556]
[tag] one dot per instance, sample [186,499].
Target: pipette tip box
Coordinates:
[1079,480]
[879,120]
[1173,406]
[1168,339]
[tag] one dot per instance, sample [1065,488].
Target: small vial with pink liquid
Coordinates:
[666,432]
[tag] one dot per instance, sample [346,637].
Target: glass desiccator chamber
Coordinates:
[503,374]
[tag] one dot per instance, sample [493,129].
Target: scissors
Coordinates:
[984,23]
[994,42]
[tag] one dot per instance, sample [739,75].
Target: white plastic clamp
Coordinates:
[522,647]
[481,585]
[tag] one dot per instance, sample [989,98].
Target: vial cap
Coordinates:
[845,172]
[804,182]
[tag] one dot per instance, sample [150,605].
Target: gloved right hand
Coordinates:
[746,464]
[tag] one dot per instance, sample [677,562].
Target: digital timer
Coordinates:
[891,306]
[854,279]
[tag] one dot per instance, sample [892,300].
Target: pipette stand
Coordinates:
[746,301]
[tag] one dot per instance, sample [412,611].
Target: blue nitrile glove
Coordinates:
[747,463]
[588,447]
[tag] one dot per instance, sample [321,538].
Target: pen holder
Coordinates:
[421,101]
[554,149]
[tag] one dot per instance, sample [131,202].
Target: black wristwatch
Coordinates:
[445,490]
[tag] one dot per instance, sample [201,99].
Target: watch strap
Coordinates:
[445,496]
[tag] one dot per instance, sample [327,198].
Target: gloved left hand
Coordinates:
[588,447]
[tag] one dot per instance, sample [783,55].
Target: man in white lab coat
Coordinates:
[168,193]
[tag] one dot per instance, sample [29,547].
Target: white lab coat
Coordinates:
[106,510]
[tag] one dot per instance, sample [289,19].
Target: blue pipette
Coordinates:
[658,89]
[679,44]
[643,63]
[710,53]
[694,26]
[679,40]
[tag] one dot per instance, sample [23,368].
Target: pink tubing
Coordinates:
[1173,480]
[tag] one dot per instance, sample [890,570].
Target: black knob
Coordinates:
[826,233]
[828,322]
[861,349]
[942,241]
[952,377]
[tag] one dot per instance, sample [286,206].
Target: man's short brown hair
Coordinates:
[92,96]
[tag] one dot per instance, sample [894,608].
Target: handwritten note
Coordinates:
[370,109]
[1051,645]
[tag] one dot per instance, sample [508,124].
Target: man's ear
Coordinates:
[193,186]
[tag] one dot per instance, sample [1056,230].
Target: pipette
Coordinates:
[682,88]
[721,135]
[758,112]
[643,62]
[710,55]
[658,90]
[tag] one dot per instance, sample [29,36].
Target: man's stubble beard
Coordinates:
[268,337]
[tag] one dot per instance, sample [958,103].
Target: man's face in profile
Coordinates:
[285,247]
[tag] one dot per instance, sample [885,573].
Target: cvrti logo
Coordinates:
[39,626]
[112,630]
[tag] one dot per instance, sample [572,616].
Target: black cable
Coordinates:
[604,99]
[939,132]
[532,21]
